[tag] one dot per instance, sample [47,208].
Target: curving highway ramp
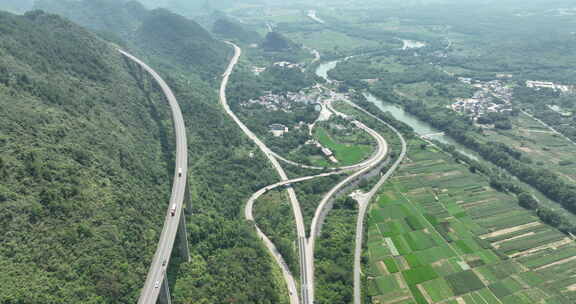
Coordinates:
[364,202]
[306,245]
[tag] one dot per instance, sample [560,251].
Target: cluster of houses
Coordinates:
[317,95]
[492,97]
[274,102]
[289,65]
[285,64]
[496,96]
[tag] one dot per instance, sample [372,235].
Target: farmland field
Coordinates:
[439,234]
[346,153]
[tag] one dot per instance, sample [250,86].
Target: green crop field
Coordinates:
[450,238]
[347,154]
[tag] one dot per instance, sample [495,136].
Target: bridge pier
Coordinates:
[164,297]
[182,238]
[187,199]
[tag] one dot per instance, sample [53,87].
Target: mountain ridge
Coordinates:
[86,147]
[175,41]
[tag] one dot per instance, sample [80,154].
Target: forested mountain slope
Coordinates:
[82,174]
[85,171]
[230,29]
[183,41]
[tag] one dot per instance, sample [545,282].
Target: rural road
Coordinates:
[363,203]
[325,206]
[248,214]
[357,166]
[305,245]
[268,153]
[157,271]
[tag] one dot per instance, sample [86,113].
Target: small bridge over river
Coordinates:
[430,135]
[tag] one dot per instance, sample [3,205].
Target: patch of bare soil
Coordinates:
[552,246]
[382,267]
[400,281]
[498,243]
[509,230]
[564,261]
[473,204]
[425,294]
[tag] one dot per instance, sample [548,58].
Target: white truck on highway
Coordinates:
[179,172]
[173,210]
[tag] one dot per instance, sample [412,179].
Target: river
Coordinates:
[323,69]
[411,44]
[420,127]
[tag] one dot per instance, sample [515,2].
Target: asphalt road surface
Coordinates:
[323,207]
[291,193]
[363,202]
[306,246]
[248,214]
[157,271]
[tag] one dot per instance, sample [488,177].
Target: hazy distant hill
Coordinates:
[102,15]
[276,42]
[174,40]
[169,35]
[16,6]
[232,30]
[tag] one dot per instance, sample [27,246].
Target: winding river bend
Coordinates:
[420,127]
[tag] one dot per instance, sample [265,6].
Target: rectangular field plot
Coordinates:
[435,254]
[499,271]
[387,284]
[379,251]
[487,296]
[440,234]
[391,265]
[503,235]
[393,227]
[419,275]
[390,289]
[491,208]
[418,240]
[527,243]
[446,267]
[506,220]
[437,290]
[415,222]
[401,245]
[550,258]
[464,282]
